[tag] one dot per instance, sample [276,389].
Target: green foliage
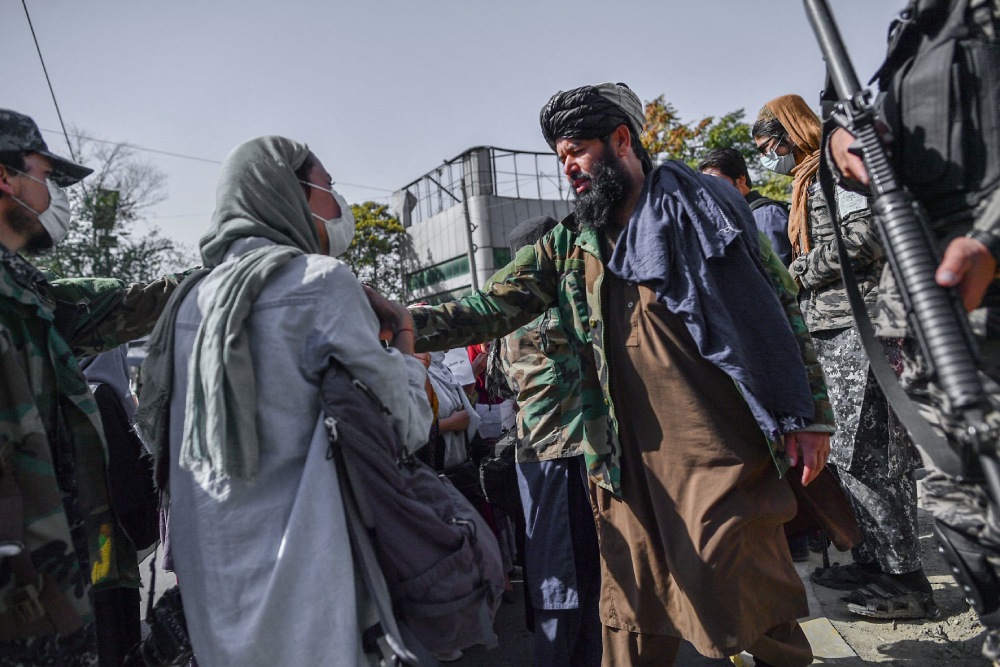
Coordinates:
[108,236]
[667,137]
[375,254]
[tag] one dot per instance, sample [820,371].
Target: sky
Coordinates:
[383,91]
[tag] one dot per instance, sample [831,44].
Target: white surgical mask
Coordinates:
[781,164]
[56,216]
[339,230]
[55,219]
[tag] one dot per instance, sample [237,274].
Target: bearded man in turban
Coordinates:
[699,390]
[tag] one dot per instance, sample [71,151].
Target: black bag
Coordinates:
[499,479]
[465,477]
[134,497]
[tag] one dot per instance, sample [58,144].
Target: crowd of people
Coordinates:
[676,367]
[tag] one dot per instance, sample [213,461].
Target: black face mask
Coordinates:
[596,207]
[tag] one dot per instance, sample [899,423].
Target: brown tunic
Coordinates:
[694,548]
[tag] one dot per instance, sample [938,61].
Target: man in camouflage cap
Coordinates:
[61,545]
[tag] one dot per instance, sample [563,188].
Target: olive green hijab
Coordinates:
[259,196]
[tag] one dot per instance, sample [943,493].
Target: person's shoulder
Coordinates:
[313,276]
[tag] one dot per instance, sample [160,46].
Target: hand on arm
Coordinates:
[395,321]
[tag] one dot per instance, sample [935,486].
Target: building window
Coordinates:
[453,268]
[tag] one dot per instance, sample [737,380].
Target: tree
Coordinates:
[108,235]
[375,254]
[667,137]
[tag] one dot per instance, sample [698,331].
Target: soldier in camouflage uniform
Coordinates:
[542,366]
[873,456]
[948,155]
[60,542]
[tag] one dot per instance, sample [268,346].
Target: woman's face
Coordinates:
[321,202]
[780,145]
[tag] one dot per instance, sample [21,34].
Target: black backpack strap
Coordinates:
[762,201]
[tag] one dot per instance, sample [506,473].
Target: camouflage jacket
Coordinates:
[544,367]
[565,270]
[50,430]
[823,297]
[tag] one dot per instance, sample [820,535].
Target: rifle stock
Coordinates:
[934,313]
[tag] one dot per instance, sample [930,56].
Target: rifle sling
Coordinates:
[920,429]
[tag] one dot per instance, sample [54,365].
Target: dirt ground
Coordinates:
[951,640]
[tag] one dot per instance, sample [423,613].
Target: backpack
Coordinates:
[767,201]
[941,85]
[440,560]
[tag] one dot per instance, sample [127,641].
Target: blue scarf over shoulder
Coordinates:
[693,241]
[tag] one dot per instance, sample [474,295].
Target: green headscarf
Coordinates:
[258,196]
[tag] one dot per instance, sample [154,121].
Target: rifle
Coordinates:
[935,313]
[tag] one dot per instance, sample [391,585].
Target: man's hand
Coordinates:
[850,165]
[479,364]
[968,265]
[391,316]
[394,320]
[814,449]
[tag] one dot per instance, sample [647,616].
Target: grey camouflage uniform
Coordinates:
[874,457]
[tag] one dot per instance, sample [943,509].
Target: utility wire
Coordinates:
[52,91]
[189,157]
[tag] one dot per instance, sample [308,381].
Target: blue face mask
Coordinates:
[781,164]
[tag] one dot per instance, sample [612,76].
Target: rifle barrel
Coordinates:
[839,63]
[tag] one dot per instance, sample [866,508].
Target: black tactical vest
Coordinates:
[941,85]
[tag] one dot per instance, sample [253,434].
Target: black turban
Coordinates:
[529,231]
[591,112]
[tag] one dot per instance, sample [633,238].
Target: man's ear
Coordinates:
[621,140]
[6,174]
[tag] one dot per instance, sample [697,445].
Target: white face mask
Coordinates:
[781,164]
[339,230]
[56,217]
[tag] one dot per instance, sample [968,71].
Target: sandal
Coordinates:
[887,598]
[844,577]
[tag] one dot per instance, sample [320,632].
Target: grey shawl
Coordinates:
[258,196]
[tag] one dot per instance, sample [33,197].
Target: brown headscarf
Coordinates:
[806,131]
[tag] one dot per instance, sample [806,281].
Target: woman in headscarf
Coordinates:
[873,455]
[260,543]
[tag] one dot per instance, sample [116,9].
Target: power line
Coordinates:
[190,157]
[52,91]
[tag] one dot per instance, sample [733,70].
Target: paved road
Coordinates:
[516,642]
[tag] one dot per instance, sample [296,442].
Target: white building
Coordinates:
[460,214]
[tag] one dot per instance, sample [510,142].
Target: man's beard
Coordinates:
[26,224]
[597,205]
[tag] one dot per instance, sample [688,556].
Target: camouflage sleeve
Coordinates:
[821,265]
[97,314]
[784,287]
[514,296]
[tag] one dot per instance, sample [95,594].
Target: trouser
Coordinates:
[562,562]
[873,454]
[886,510]
[117,616]
[783,645]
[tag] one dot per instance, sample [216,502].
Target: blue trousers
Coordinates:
[561,562]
